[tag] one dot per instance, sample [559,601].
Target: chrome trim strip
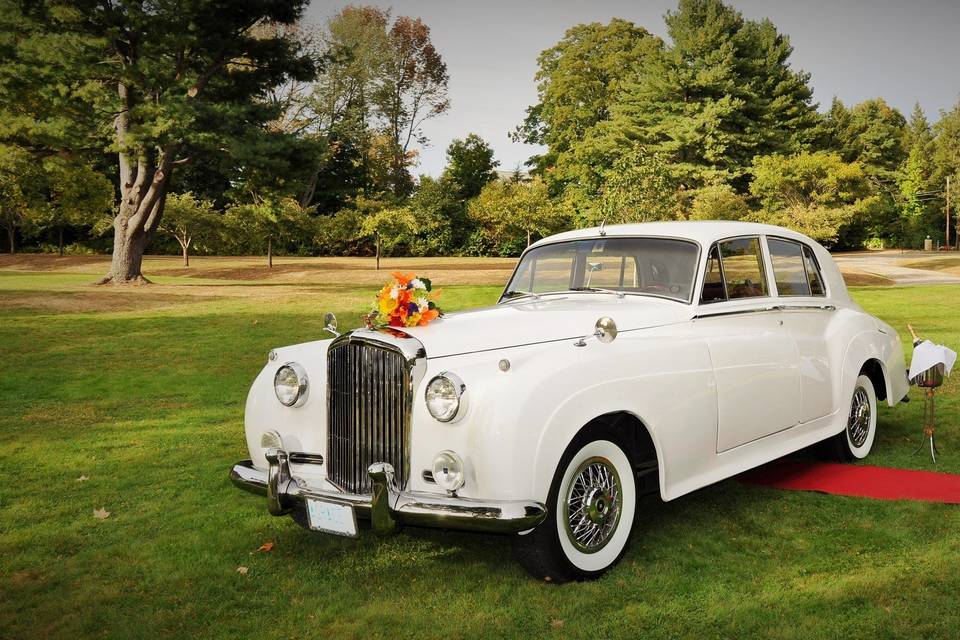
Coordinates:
[389,506]
[776,307]
[807,307]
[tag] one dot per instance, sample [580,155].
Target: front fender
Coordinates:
[300,427]
[521,421]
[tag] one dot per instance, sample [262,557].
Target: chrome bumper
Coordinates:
[387,506]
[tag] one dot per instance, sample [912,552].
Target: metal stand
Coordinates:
[929,424]
[928,380]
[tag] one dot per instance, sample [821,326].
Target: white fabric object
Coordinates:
[927,355]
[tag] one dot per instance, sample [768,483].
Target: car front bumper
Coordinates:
[387,506]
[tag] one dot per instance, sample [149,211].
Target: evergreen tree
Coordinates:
[578,81]
[721,93]
[919,210]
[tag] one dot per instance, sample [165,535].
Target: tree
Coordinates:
[507,212]
[720,94]
[442,222]
[413,90]
[578,81]
[19,197]
[186,218]
[470,165]
[871,133]
[270,219]
[388,226]
[718,202]
[75,194]
[814,193]
[946,152]
[917,192]
[639,187]
[156,82]
[337,109]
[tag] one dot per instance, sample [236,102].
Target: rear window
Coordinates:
[789,271]
[813,272]
[734,270]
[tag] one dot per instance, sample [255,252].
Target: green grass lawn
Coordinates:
[146,402]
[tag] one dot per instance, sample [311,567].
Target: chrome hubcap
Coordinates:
[592,505]
[858,425]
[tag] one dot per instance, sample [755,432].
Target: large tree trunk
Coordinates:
[144,175]
[60,245]
[270,253]
[128,248]
[378,252]
[12,236]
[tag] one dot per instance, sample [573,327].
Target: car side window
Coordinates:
[713,288]
[813,273]
[789,270]
[742,266]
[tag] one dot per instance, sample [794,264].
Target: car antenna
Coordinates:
[602,223]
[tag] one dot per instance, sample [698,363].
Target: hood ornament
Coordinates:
[330,324]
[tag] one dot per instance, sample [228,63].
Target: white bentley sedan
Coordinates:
[657,357]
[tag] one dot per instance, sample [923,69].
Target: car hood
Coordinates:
[532,321]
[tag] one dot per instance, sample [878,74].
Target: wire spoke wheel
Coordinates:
[858,424]
[593,504]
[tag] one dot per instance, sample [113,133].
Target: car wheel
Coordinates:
[856,440]
[591,506]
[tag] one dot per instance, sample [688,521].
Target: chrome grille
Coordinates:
[369,413]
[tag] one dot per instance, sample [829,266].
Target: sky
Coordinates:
[904,52]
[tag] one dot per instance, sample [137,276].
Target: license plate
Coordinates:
[332,517]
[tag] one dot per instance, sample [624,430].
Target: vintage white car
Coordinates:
[658,357]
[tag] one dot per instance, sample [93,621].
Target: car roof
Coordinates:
[703,231]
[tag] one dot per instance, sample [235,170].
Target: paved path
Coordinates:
[885,263]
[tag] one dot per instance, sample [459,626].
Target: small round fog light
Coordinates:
[448,470]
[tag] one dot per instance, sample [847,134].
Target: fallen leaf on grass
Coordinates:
[82,479]
[556,623]
[266,546]
[242,570]
[101,513]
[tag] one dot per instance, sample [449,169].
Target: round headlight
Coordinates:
[290,384]
[448,470]
[443,396]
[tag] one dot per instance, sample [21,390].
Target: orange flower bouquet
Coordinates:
[407,301]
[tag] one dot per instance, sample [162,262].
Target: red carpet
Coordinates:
[854,480]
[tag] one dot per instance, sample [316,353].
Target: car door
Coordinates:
[754,359]
[806,317]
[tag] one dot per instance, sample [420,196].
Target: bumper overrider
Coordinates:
[387,506]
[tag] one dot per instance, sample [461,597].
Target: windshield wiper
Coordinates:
[516,293]
[619,294]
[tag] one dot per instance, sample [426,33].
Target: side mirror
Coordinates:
[330,324]
[606,330]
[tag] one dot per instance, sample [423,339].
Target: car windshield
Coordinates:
[661,267]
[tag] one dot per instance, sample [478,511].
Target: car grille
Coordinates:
[369,413]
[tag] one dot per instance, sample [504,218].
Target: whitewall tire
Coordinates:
[862,420]
[856,439]
[592,504]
